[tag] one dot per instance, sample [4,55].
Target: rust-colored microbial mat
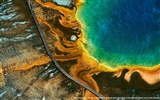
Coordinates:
[27,72]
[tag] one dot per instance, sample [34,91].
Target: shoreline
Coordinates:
[84,41]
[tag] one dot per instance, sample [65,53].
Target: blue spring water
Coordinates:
[122,32]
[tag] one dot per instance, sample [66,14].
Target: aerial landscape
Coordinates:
[108,49]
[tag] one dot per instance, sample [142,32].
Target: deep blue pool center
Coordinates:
[123,32]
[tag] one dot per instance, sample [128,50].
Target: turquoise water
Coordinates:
[122,32]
